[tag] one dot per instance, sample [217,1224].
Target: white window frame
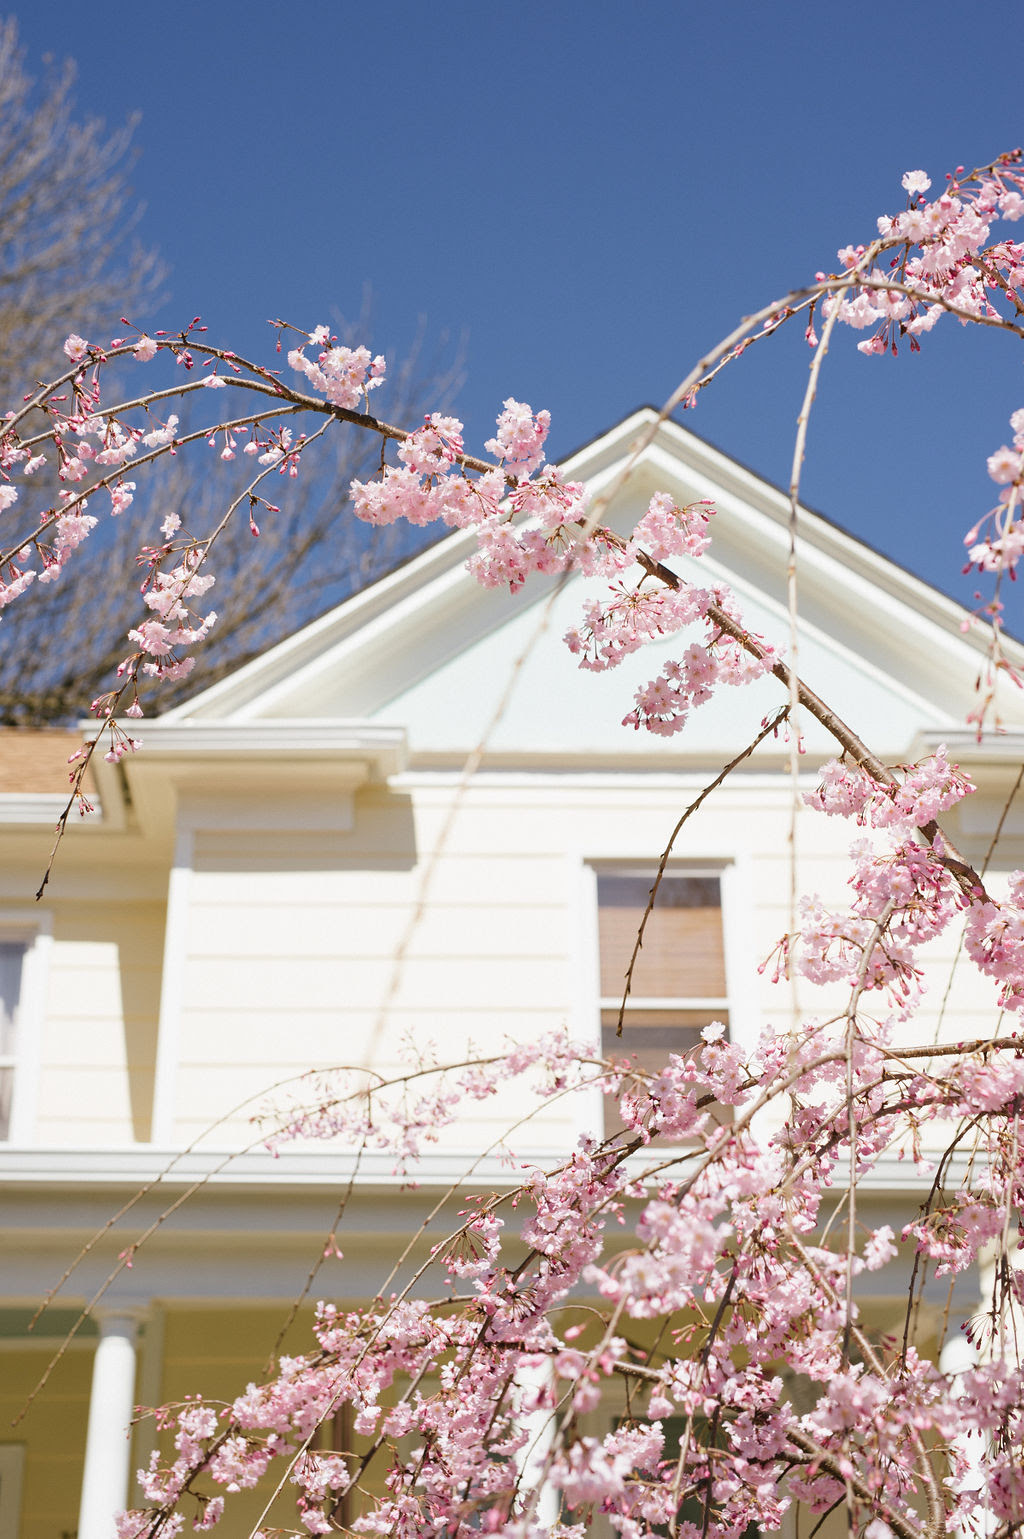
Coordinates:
[34,931]
[734,868]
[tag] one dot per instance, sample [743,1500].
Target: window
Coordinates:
[678,983]
[12,959]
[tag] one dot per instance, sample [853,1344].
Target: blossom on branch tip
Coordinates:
[343,374]
[519,442]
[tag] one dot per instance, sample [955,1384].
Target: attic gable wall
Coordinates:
[428,650]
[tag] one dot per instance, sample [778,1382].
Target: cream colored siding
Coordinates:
[99,1037]
[291,942]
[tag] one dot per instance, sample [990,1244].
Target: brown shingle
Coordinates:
[35,761]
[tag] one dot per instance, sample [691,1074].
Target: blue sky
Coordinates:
[589,195]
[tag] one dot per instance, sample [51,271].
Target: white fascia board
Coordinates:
[177,741]
[140,1165]
[29,809]
[965,747]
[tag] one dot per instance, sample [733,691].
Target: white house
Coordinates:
[298,870]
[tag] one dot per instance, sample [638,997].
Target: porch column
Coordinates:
[537,1415]
[956,1357]
[108,1441]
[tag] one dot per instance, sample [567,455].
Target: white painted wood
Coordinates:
[108,1445]
[165,1085]
[34,931]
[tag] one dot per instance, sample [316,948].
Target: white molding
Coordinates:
[28,809]
[292,740]
[965,748]
[584,979]
[168,1044]
[741,962]
[68,1176]
[139,1164]
[35,928]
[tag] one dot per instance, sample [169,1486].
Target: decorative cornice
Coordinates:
[293,741]
[143,1164]
[28,809]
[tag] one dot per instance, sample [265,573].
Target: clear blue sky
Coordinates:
[590,193]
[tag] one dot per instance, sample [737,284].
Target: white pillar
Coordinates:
[956,1357]
[536,1384]
[108,1442]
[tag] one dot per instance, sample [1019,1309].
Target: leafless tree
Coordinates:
[307,557]
[69,262]
[68,257]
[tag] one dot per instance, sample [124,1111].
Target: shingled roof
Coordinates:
[35,762]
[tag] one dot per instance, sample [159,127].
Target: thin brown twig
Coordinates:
[766,731]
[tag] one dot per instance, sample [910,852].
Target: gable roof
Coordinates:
[427,651]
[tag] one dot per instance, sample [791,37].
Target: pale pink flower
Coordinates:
[879,1248]
[145,349]
[1006,464]
[76,347]
[158,438]
[121,496]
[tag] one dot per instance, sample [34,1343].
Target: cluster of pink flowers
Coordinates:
[1003,544]
[166,594]
[944,257]
[664,705]
[343,375]
[904,892]
[518,445]
[526,517]
[922,792]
